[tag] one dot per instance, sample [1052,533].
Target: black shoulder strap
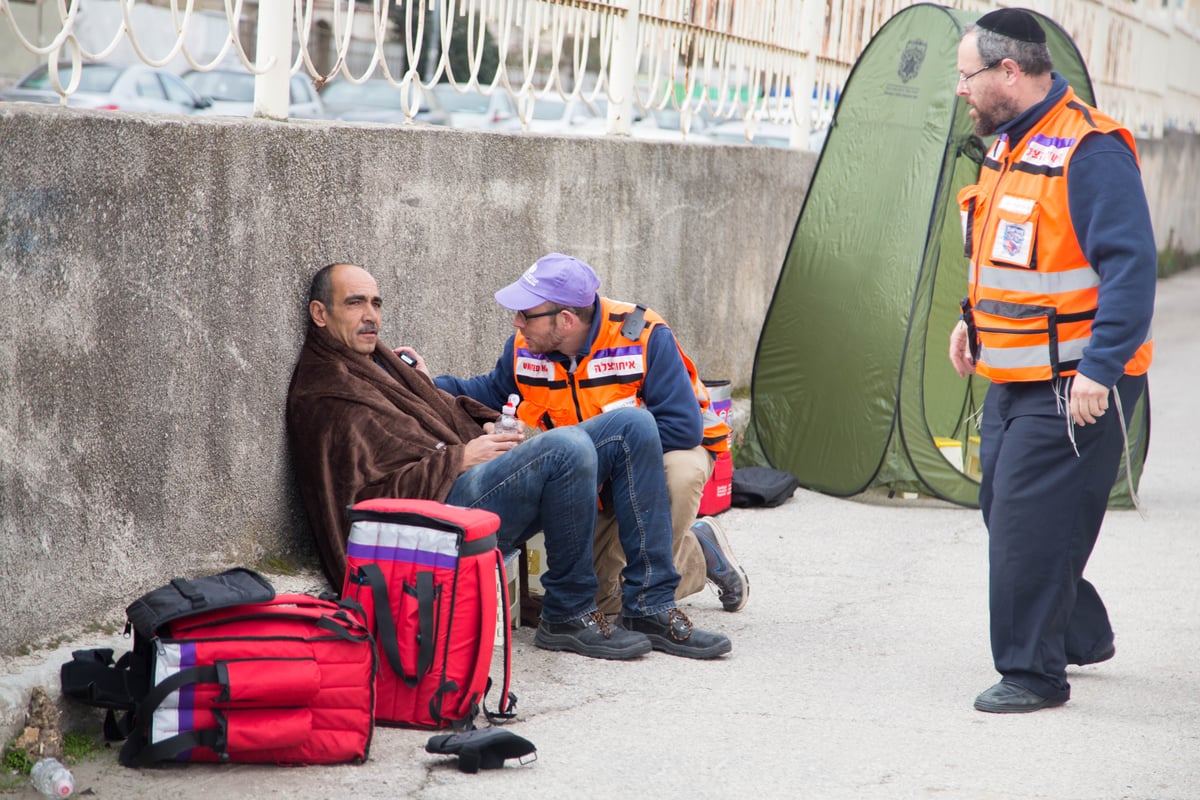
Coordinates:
[136,752]
[92,677]
[385,626]
[134,756]
[209,674]
[507,707]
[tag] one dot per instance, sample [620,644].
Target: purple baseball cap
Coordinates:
[560,279]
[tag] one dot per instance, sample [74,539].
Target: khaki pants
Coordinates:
[687,471]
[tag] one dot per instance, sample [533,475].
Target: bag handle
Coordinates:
[507,708]
[371,576]
[134,753]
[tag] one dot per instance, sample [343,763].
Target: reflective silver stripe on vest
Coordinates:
[1037,355]
[1033,282]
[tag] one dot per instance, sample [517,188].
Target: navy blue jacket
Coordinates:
[666,390]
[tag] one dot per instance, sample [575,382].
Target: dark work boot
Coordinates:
[672,632]
[591,635]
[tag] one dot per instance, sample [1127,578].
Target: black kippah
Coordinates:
[1015,23]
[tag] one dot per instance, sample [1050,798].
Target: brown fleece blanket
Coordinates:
[357,431]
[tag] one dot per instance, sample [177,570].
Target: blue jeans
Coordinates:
[549,483]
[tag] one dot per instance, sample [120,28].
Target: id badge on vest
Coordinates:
[1013,245]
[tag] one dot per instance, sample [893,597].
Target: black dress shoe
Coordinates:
[672,632]
[1104,655]
[1011,698]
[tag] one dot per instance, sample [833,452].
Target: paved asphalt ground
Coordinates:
[853,669]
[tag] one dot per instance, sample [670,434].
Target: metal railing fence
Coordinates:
[762,61]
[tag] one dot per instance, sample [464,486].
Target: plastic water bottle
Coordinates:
[51,778]
[508,422]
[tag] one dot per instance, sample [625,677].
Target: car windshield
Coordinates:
[372,94]
[237,87]
[549,109]
[94,78]
[668,118]
[735,133]
[453,100]
[377,94]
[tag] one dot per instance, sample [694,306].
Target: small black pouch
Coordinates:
[485,748]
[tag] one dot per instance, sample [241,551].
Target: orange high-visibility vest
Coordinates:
[610,376]
[1032,293]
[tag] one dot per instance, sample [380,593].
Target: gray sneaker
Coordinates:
[591,635]
[724,571]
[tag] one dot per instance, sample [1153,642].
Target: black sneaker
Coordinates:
[672,632]
[591,636]
[724,571]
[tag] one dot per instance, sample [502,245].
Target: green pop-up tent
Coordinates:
[852,387]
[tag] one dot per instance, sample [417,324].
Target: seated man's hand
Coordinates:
[484,448]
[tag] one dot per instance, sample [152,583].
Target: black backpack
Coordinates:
[762,487]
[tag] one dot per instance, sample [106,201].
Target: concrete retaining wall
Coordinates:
[1171,173]
[155,271]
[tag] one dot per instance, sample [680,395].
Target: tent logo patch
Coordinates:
[911,59]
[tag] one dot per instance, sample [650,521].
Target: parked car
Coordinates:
[474,111]
[663,125]
[231,91]
[135,87]
[574,117]
[768,134]
[378,100]
[582,117]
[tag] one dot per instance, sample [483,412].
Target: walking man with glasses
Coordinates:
[1062,269]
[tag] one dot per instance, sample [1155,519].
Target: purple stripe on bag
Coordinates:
[403,555]
[187,696]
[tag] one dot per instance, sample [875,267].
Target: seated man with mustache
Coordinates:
[362,423]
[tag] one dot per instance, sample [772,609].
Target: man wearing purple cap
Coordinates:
[576,356]
[1060,295]
[363,423]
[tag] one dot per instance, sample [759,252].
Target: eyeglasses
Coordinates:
[965,80]
[526,317]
